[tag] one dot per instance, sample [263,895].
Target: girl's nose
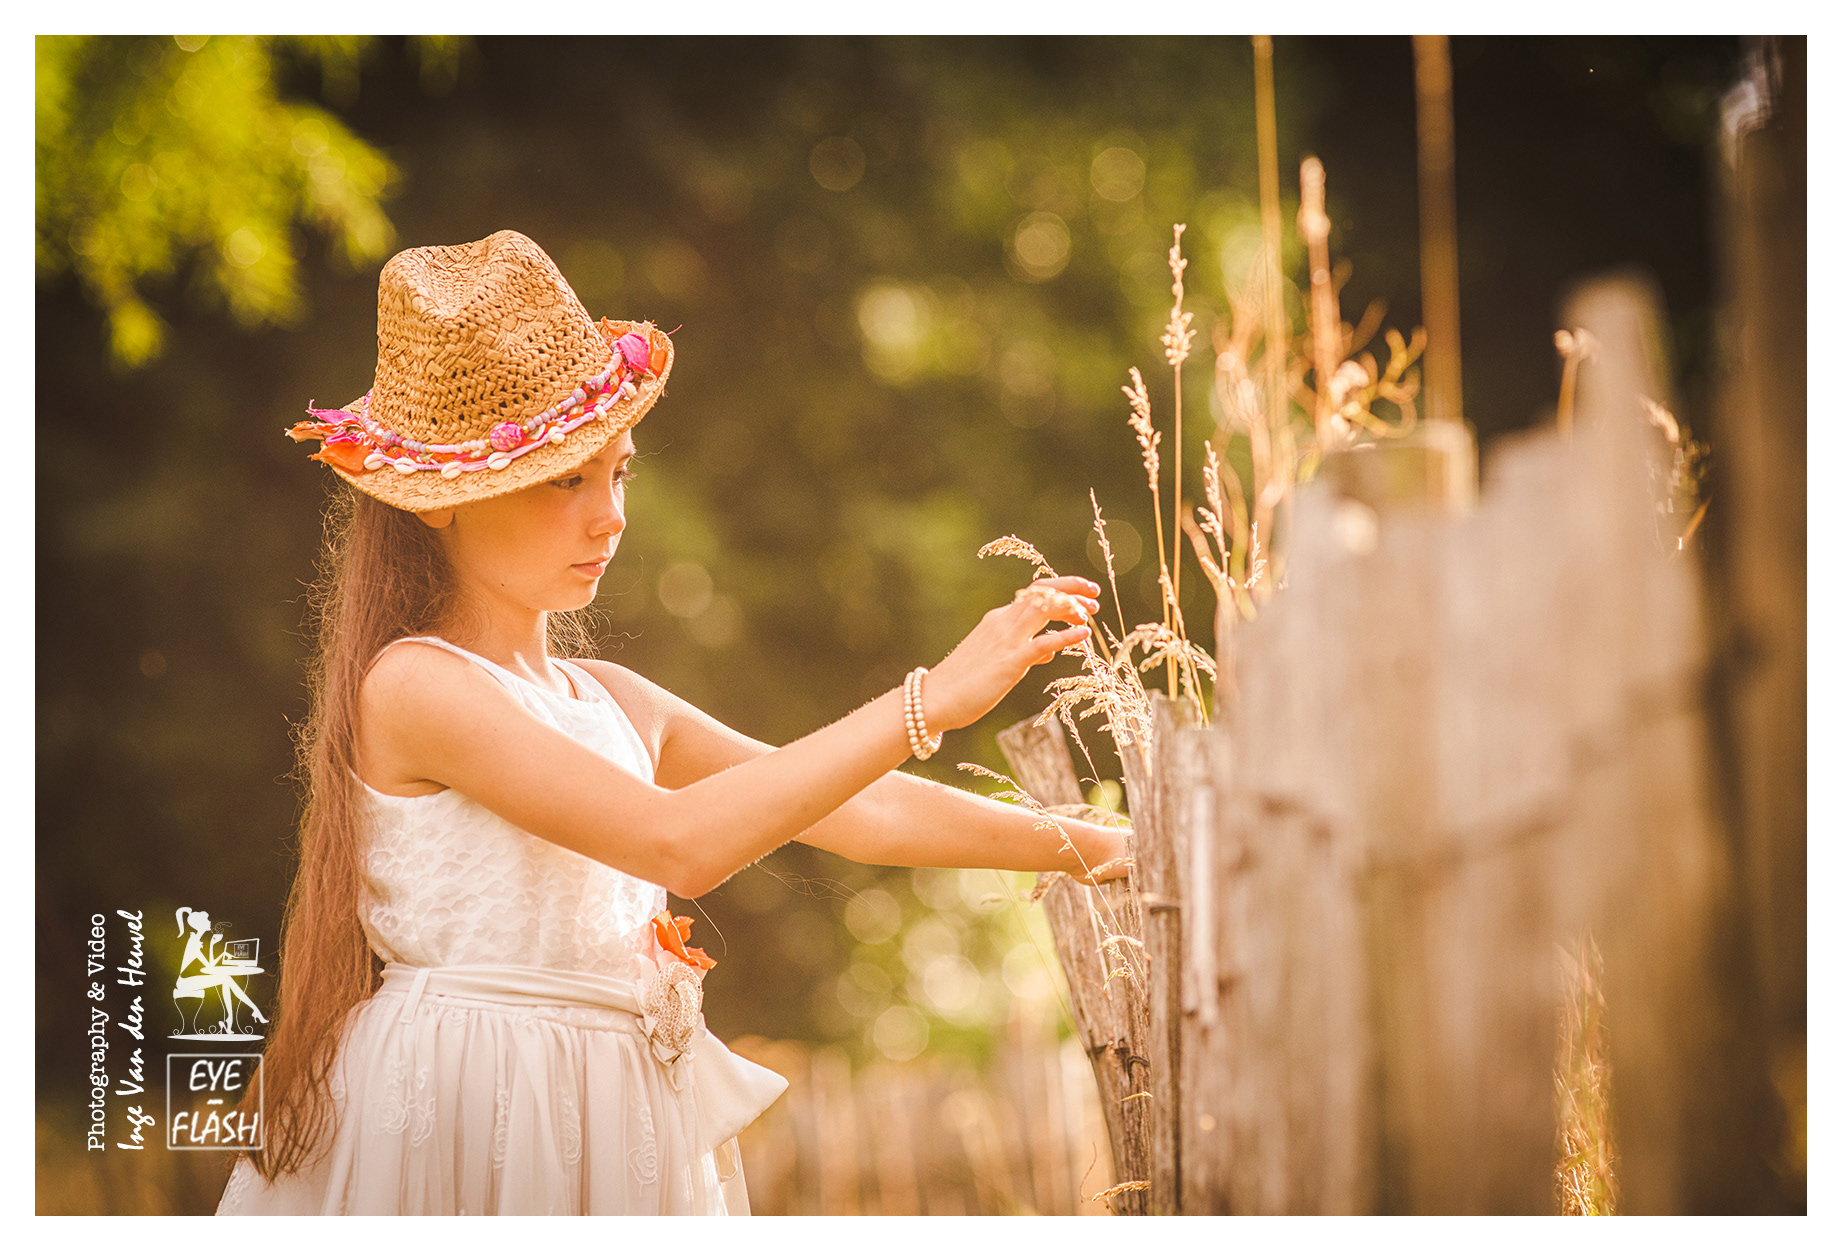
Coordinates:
[613,515]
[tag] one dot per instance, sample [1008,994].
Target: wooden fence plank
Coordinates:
[1159,850]
[1109,1008]
[1757,533]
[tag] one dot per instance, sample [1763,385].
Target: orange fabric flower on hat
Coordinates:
[672,932]
[341,443]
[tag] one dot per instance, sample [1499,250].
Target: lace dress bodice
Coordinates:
[448,882]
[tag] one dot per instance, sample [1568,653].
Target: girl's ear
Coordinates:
[435,519]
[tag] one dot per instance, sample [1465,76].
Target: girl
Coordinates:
[493,828]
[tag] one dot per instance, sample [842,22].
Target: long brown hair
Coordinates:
[383,575]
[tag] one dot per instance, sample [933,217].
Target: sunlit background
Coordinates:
[906,279]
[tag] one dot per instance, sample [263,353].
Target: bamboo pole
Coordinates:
[1270,487]
[1433,92]
[1323,319]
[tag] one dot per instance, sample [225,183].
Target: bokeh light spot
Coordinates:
[1117,174]
[837,163]
[901,1033]
[1040,246]
[685,589]
[873,916]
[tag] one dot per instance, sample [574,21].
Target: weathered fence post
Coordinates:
[1201,763]
[1756,525]
[1660,887]
[1160,852]
[1109,1009]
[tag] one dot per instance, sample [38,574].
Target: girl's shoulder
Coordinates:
[411,694]
[410,661]
[647,705]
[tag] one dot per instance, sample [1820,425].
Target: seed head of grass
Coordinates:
[1011,545]
[1100,533]
[1575,343]
[1212,491]
[1178,334]
[1141,422]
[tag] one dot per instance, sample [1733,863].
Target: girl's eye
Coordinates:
[575,480]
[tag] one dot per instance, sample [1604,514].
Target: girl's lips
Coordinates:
[594,568]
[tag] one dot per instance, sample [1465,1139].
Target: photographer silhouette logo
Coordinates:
[211,964]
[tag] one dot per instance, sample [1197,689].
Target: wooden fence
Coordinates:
[1455,743]
[1022,1135]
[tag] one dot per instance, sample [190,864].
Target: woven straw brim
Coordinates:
[425,490]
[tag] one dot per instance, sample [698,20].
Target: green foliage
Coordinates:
[157,152]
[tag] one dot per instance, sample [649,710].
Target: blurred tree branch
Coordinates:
[154,151]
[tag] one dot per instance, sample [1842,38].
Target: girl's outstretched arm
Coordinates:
[897,820]
[440,717]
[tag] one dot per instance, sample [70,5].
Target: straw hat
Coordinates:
[491,377]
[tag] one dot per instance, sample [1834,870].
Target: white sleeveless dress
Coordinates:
[507,1064]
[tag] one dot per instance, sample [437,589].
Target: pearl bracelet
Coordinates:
[920,742]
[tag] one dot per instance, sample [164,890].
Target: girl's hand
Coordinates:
[992,659]
[1100,848]
[1116,868]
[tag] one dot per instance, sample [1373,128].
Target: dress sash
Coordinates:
[726,1091]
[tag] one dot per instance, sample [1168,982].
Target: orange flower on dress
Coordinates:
[671,932]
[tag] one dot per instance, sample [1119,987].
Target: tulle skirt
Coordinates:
[479,1103]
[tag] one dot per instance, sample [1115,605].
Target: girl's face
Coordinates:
[543,547]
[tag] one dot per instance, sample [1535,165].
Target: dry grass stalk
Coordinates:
[1121,1188]
[1681,497]
[1267,144]
[1149,438]
[1208,526]
[1100,533]
[1575,346]
[1681,494]
[1347,383]
[1586,1184]
[1147,434]
[1107,684]
[1177,340]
